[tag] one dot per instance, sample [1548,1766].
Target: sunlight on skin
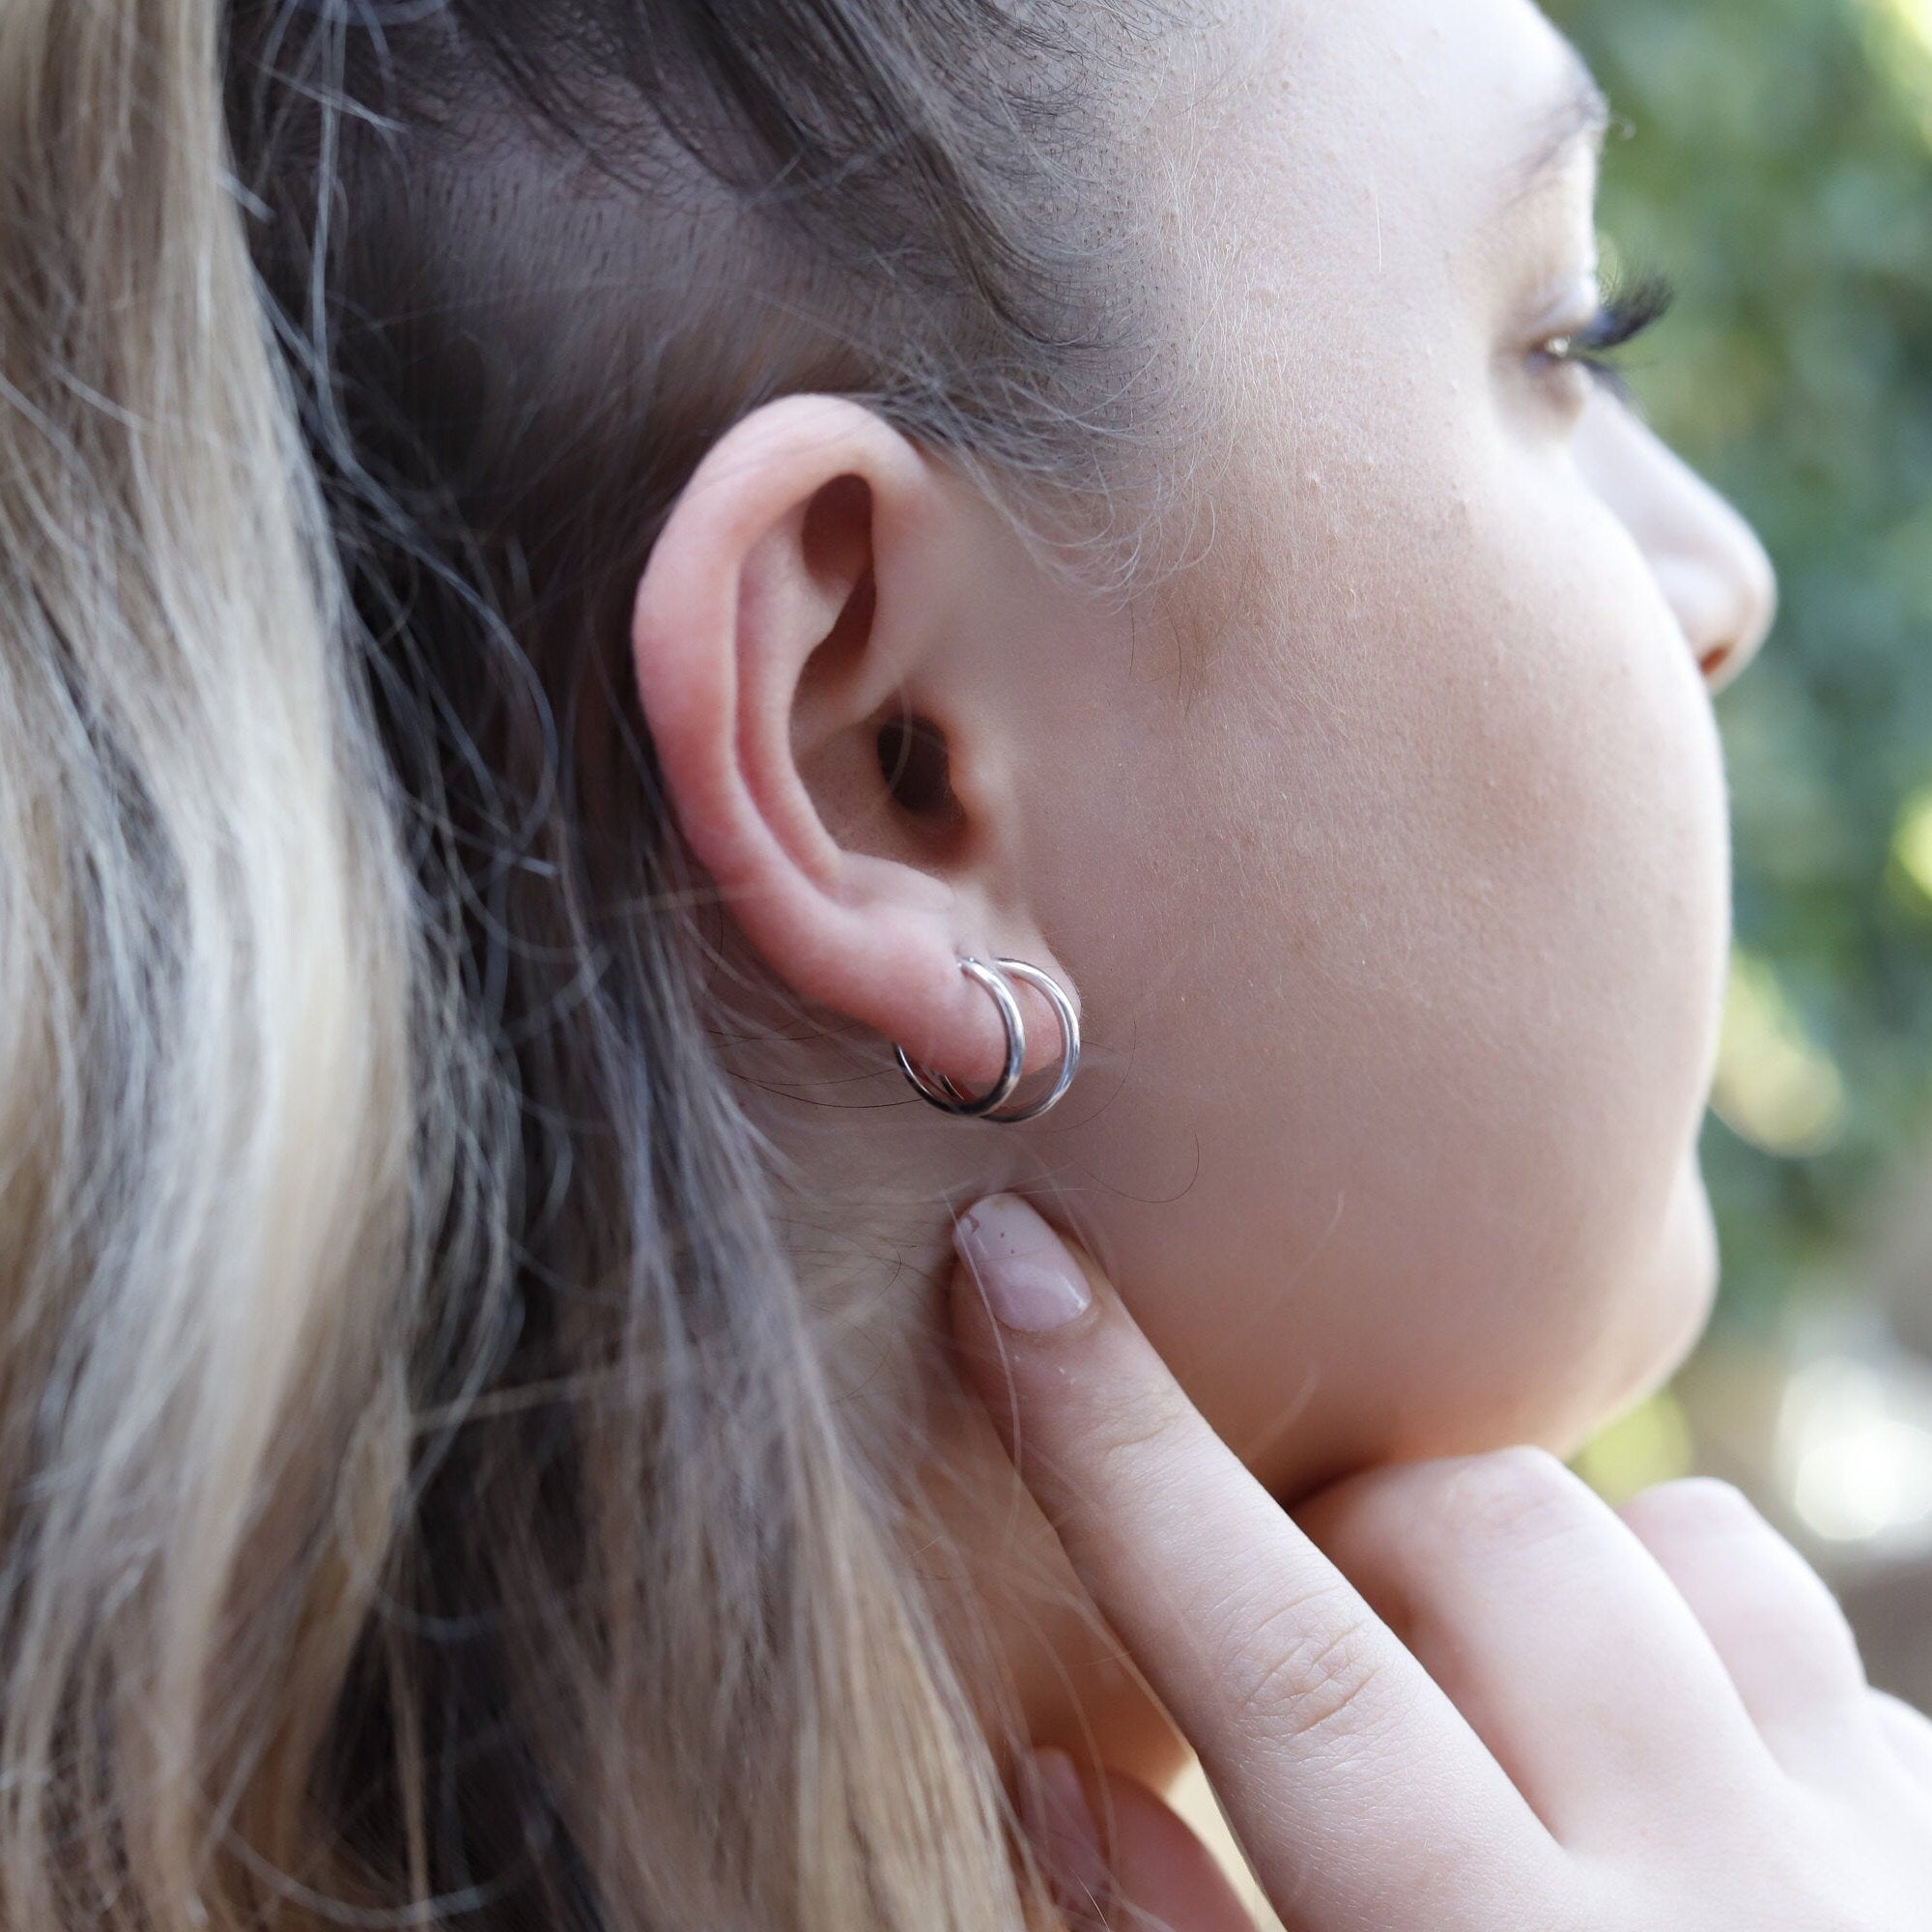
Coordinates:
[1400,982]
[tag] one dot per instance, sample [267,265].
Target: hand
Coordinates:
[1463,1696]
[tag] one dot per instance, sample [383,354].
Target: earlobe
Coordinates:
[800,587]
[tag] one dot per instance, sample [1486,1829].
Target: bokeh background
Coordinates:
[1774,159]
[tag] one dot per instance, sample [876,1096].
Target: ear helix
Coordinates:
[943,1093]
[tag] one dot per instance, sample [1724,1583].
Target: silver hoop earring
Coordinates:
[944,1094]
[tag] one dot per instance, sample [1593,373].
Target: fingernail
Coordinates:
[1022,1264]
[1059,1824]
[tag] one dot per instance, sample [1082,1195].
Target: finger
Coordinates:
[1908,1731]
[1119,1855]
[1065,1840]
[1358,1792]
[1552,1629]
[1780,1630]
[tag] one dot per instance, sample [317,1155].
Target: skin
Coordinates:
[1383,852]
[1458,1692]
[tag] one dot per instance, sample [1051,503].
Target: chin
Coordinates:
[1670,1307]
[1689,1285]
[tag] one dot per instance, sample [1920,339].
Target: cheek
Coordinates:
[1419,992]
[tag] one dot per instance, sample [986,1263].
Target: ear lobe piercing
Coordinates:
[949,1098]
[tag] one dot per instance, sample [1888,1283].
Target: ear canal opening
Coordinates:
[917,769]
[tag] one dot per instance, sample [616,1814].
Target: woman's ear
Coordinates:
[830,761]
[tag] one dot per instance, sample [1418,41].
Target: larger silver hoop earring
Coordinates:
[944,1094]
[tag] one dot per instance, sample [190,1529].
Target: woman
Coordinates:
[648,648]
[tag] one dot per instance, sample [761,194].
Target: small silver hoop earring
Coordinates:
[944,1094]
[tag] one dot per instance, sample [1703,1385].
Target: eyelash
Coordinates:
[1631,305]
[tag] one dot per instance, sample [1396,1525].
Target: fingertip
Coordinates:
[1159,1869]
[1020,1271]
[1060,1823]
[1115,1852]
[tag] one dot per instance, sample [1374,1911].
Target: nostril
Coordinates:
[1715,660]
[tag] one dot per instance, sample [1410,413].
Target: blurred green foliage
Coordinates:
[1774,157]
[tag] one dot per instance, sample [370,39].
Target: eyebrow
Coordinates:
[1580,113]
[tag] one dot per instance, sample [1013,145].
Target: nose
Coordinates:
[1708,561]
[1723,589]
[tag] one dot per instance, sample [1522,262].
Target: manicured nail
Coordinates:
[1022,1266]
[1060,1823]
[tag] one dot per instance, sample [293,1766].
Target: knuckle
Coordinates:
[1836,1634]
[1122,1446]
[1700,1504]
[1802,1630]
[1747,1572]
[1303,1674]
[1521,1496]
[1814,1607]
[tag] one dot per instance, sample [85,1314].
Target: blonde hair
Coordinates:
[424,1503]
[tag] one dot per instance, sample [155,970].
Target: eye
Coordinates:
[1624,311]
